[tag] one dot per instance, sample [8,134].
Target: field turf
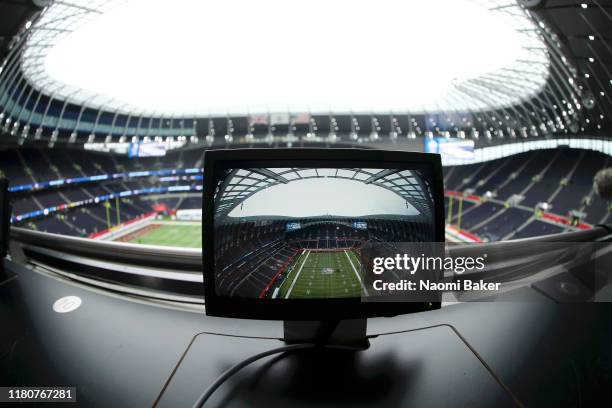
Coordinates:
[323,275]
[175,234]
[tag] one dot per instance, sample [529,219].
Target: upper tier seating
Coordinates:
[28,166]
[561,177]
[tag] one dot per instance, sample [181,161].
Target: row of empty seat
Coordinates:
[562,178]
[30,166]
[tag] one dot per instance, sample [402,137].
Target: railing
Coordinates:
[152,271]
[176,273]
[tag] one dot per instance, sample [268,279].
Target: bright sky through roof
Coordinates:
[240,56]
[323,196]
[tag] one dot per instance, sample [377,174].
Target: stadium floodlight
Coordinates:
[375,128]
[319,217]
[53,138]
[15,128]
[7,124]
[544,206]
[489,194]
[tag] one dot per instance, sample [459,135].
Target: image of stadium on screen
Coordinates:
[299,233]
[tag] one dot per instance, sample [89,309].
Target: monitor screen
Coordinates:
[310,231]
[300,232]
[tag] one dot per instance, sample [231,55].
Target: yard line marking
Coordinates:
[297,276]
[356,273]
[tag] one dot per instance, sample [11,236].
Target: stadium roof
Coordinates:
[239,184]
[545,68]
[175,60]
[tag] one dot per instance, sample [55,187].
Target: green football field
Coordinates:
[323,275]
[177,235]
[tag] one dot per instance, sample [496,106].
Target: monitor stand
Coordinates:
[337,334]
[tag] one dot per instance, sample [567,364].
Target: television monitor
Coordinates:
[293,234]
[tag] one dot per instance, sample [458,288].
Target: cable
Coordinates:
[237,367]
[322,336]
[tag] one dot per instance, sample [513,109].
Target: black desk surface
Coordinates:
[122,351]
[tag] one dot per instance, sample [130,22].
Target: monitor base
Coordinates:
[338,334]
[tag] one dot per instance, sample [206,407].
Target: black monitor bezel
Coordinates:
[307,309]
